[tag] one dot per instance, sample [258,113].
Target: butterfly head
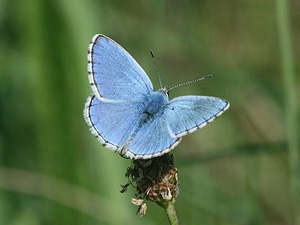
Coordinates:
[165,91]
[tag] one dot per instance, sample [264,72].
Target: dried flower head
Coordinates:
[154,179]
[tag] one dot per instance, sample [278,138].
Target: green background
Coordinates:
[241,169]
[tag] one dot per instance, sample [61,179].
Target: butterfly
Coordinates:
[128,116]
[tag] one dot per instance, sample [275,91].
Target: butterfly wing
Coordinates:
[113,72]
[151,139]
[111,122]
[187,114]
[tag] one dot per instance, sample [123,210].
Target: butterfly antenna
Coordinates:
[189,82]
[154,62]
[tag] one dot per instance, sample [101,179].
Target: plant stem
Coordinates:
[169,206]
[288,66]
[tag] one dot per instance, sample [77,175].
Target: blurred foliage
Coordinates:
[235,171]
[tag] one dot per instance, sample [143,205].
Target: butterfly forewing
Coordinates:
[187,114]
[113,72]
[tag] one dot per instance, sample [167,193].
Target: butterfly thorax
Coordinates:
[154,104]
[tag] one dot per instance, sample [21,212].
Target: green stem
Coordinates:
[287,62]
[169,207]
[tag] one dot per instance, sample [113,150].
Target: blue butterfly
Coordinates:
[128,116]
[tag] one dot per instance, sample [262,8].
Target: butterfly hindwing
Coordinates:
[152,139]
[187,114]
[119,126]
[113,72]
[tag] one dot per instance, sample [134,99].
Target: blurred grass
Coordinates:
[240,169]
[292,121]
